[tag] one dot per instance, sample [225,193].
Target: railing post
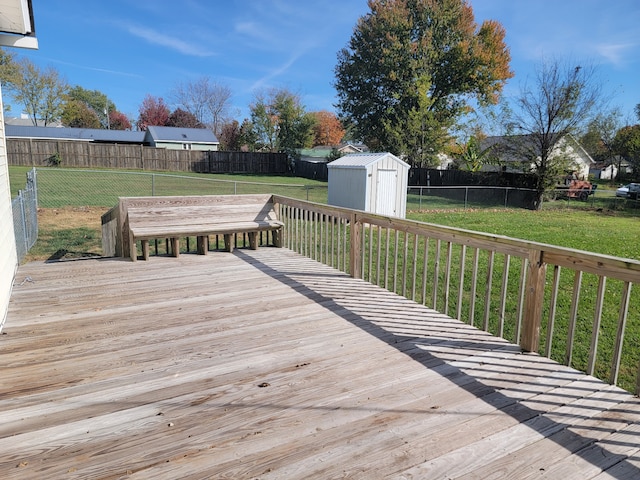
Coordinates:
[533,302]
[355,250]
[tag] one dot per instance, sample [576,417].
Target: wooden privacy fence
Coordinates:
[30,152]
[567,304]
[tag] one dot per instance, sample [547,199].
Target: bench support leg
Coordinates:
[175,246]
[145,249]
[203,244]
[228,242]
[277,237]
[133,250]
[253,240]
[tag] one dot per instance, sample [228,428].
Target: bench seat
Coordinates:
[212,215]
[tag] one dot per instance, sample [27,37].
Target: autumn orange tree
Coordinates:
[327,129]
[412,68]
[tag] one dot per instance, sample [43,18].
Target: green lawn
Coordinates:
[79,187]
[591,230]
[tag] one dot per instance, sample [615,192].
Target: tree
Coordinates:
[600,135]
[40,91]
[560,102]
[182,118]
[9,68]
[295,126]
[78,114]
[627,144]
[248,138]
[153,111]
[327,129]
[279,122]
[264,125]
[230,136]
[411,69]
[470,156]
[119,121]
[207,100]
[96,100]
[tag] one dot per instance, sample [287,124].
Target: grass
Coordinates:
[78,187]
[590,230]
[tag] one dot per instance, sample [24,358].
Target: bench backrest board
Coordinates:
[177,210]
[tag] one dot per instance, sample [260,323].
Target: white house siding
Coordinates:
[581,160]
[8,255]
[201,147]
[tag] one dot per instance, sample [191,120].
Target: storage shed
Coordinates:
[373,182]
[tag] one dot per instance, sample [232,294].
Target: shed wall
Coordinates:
[379,194]
[349,188]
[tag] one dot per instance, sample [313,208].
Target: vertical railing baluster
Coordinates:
[597,319]
[577,284]
[553,302]
[622,324]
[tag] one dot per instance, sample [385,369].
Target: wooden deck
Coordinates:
[266,365]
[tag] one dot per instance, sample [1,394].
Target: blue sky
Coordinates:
[127,49]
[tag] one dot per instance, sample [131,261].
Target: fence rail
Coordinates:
[25,216]
[570,305]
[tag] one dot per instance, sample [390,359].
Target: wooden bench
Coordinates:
[147,218]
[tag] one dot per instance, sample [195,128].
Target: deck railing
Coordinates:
[570,305]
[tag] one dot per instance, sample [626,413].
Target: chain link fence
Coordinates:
[59,188]
[467,197]
[25,216]
[476,197]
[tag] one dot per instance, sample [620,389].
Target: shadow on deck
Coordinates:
[264,364]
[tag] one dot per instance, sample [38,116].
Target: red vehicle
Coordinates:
[574,188]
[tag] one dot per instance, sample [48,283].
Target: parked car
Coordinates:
[623,191]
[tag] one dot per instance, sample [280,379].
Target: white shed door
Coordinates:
[386,194]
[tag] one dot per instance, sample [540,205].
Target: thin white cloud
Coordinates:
[92,69]
[615,53]
[274,73]
[158,38]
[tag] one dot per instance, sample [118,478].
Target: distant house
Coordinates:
[77,134]
[321,153]
[604,171]
[616,167]
[506,151]
[25,121]
[348,148]
[178,138]
[200,139]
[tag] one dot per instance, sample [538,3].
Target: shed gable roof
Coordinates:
[360,160]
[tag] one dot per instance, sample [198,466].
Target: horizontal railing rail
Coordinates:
[570,305]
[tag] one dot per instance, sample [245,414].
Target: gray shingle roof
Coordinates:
[182,135]
[82,134]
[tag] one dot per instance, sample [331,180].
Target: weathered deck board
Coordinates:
[263,364]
